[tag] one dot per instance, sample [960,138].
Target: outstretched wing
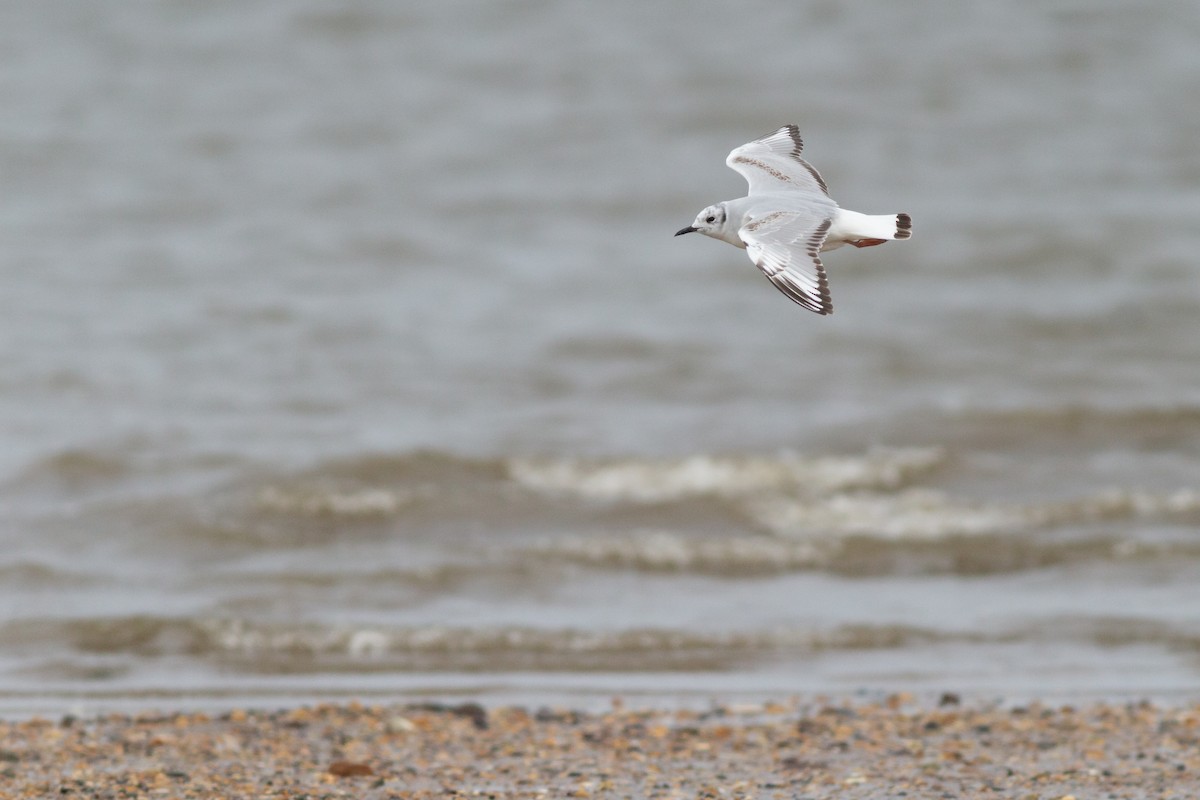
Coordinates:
[773,164]
[785,246]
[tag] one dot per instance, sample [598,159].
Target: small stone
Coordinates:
[398,724]
[349,769]
[473,712]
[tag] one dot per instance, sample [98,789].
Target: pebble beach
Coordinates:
[896,747]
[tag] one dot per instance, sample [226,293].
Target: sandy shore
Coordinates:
[796,749]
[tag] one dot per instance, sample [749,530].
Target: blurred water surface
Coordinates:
[347,350]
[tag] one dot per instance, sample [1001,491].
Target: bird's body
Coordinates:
[787,218]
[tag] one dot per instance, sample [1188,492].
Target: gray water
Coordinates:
[346,351]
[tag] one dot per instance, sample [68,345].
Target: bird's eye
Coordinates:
[710,219]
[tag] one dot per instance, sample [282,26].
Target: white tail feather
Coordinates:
[850,226]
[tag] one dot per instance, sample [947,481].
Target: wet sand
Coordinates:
[795,749]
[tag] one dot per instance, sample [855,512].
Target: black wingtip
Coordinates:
[794,133]
[903,226]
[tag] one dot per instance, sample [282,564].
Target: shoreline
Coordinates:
[816,748]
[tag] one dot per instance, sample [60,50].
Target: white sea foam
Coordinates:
[321,502]
[673,552]
[923,514]
[914,514]
[660,480]
[243,638]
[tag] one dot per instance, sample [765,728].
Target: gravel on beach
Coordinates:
[895,748]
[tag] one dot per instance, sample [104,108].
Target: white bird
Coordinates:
[787,218]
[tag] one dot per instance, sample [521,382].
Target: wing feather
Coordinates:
[773,164]
[786,246]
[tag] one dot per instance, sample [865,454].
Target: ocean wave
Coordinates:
[663,480]
[367,487]
[377,488]
[1076,427]
[482,568]
[746,515]
[923,514]
[278,648]
[74,469]
[668,551]
[418,466]
[28,575]
[317,501]
[748,556]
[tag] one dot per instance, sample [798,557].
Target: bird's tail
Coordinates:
[883,226]
[867,230]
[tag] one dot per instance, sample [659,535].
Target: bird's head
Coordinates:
[710,221]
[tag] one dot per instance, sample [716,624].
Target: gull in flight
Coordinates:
[787,219]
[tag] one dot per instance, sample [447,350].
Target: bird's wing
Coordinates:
[773,164]
[785,246]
